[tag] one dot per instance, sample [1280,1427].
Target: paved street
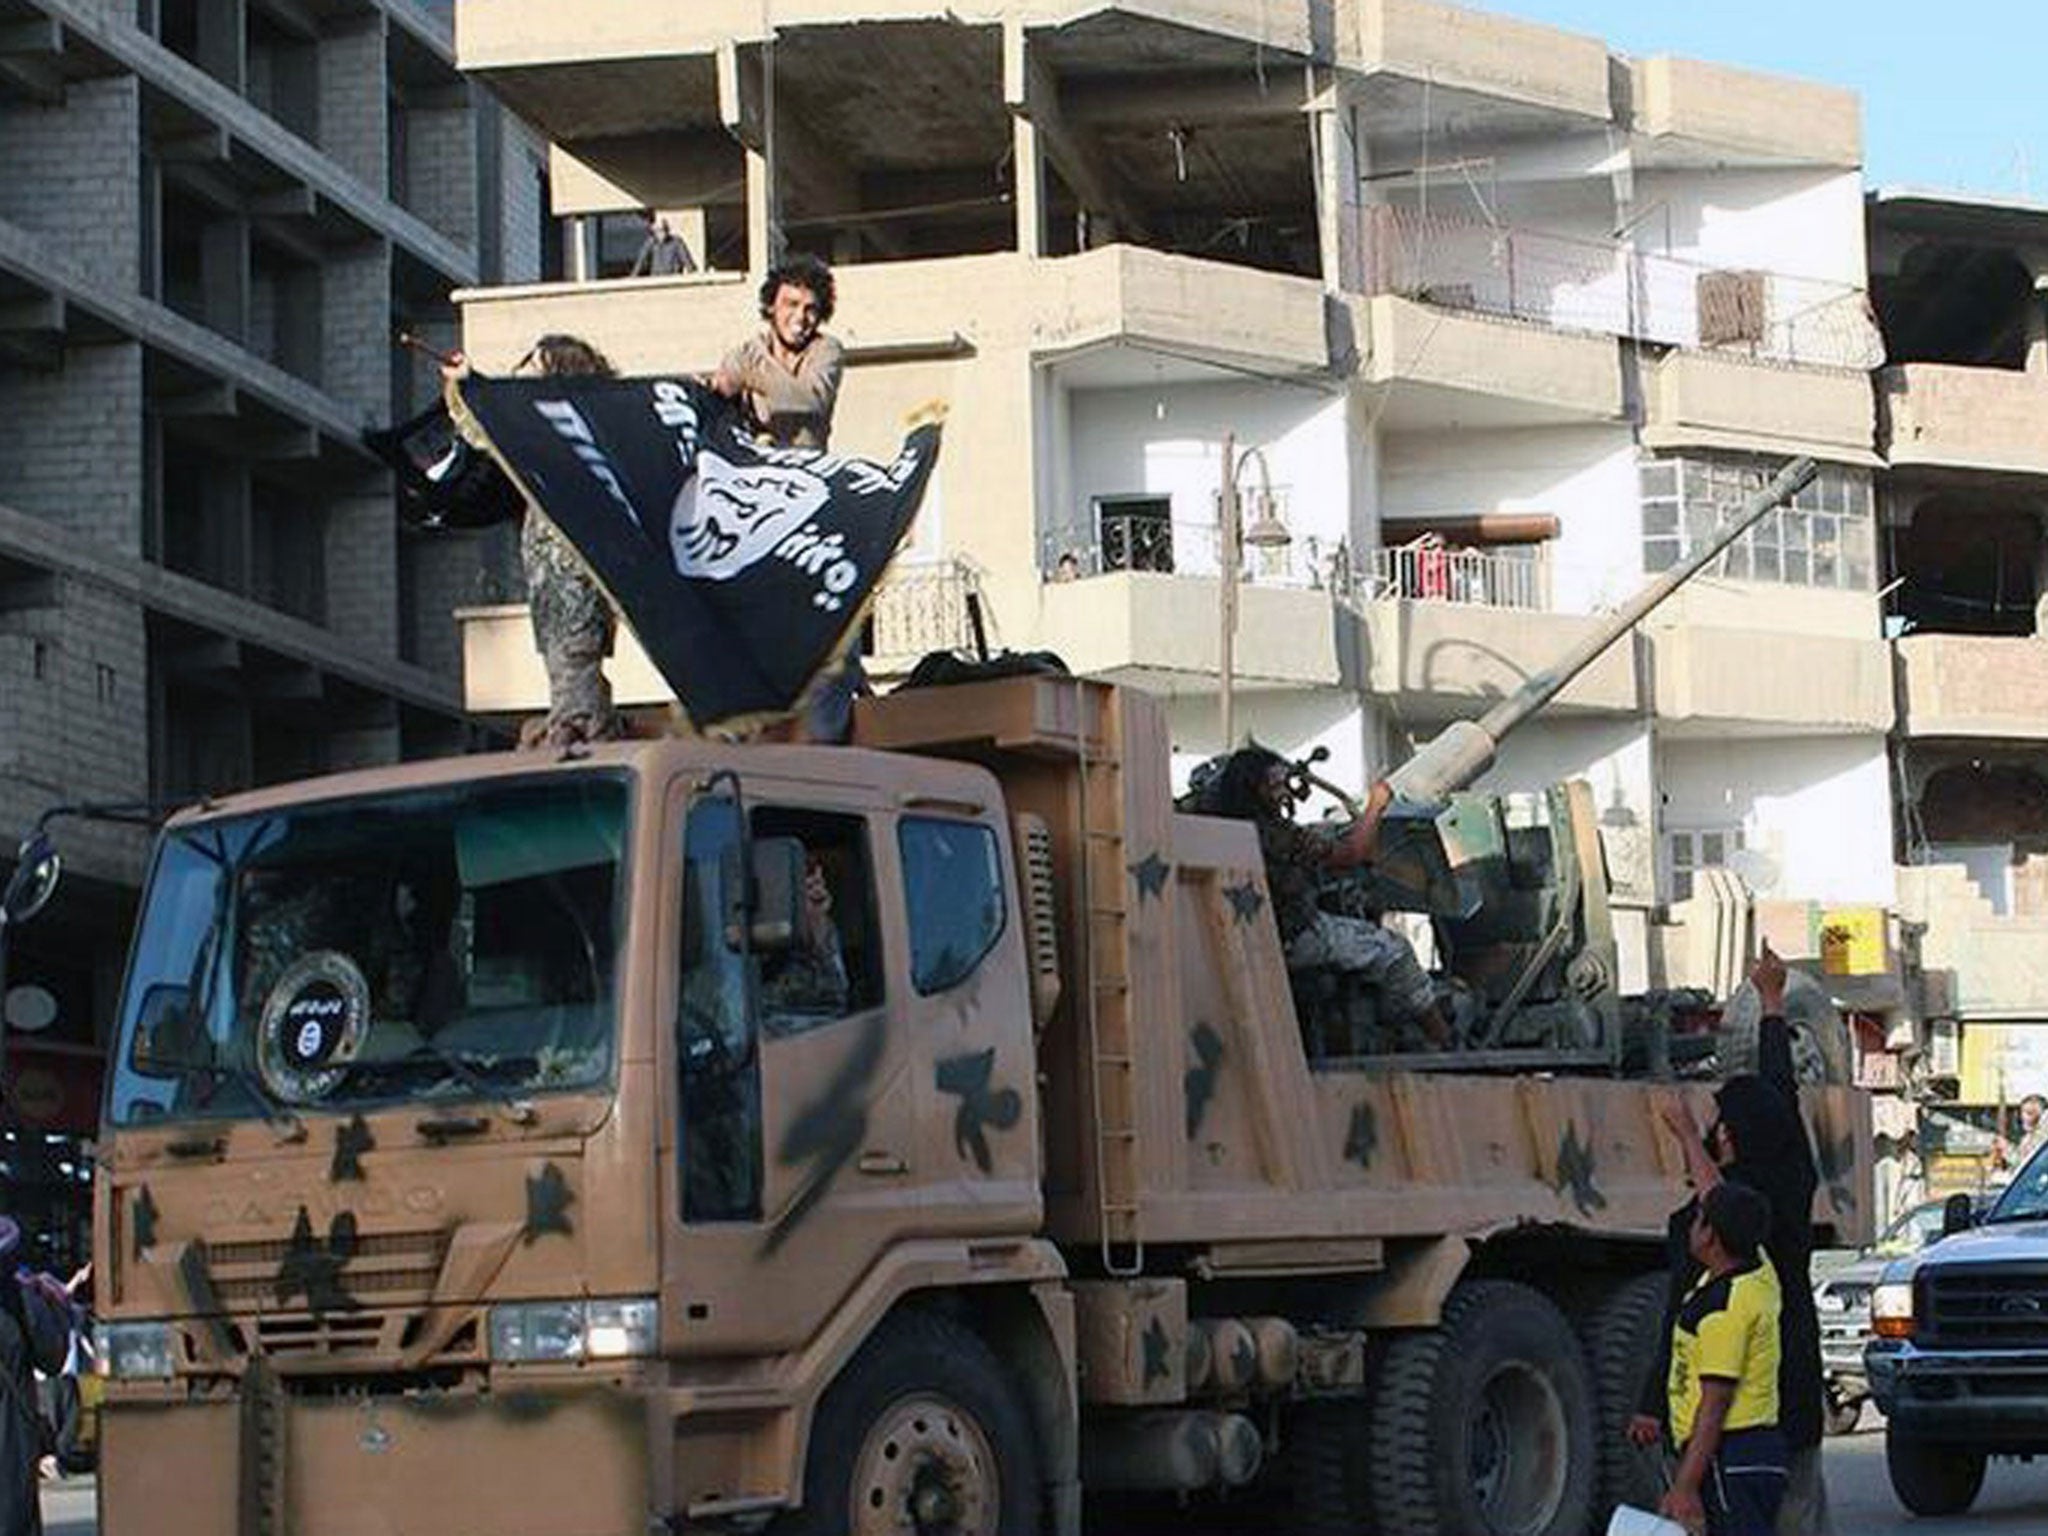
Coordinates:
[2015,1498]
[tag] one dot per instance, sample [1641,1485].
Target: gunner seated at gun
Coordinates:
[1256,786]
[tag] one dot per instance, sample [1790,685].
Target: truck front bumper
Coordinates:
[1993,1398]
[566,1459]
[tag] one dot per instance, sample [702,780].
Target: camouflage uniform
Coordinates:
[572,629]
[1317,940]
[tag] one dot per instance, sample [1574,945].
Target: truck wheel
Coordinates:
[1932,1479]
[1484,1425]
[1622,1331]
[921,1433]
[1821,1050]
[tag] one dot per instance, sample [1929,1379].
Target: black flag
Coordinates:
[742,568]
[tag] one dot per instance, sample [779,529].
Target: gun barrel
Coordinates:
[1458,756]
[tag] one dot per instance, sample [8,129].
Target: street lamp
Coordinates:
[1266,532]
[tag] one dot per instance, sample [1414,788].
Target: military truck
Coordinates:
[912,1136]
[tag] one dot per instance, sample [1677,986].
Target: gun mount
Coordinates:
[1527,966]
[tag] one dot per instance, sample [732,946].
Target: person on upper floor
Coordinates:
[787,376]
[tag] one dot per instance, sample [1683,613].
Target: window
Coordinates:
[1135,532]
[953,889]
[835,966]
[1687,853]
[1824,538]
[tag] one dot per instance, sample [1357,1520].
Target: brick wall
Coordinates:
[362,570]
[441,169]
[73,705]
[523,160]
[70,174]
[355,332]
[351,116]
[72,449]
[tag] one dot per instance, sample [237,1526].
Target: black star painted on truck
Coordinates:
[967,1078]
[351,1141]
[1575,1171]
[312,1268]
[1200,1083]
[1150,872]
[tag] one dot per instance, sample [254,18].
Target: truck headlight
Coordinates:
[573,1330]
[1891,1310]
[136,1351]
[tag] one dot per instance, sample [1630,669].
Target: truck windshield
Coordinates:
[437,944]
[2026,1197]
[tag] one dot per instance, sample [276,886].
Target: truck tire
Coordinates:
[1622,1329]
[1821,1051]
[1932,1479]
[921,1432]
[1484,1425]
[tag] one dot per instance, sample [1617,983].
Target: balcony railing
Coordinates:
[1433,573]
[922,608]
[1422,571]
[1613,289]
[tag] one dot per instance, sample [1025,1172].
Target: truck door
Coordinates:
[794,1117]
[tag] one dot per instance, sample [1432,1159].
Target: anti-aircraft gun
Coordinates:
[1517,900]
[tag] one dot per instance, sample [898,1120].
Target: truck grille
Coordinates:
[386,1266]
[1993,1308]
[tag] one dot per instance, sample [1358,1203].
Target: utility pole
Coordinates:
[1229,552]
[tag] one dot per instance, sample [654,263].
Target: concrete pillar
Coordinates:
[2037,328]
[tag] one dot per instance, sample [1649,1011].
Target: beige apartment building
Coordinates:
[1963,404]
[1509,319]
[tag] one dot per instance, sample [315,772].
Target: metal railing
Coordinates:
[1425,570]
[1613,289]
[922,608]
[1434,573]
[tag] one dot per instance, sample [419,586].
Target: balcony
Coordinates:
[1702,400]
[1770,680]
[1980,686]
[1603,288]
[1449,369]
[1940,416]
[1700,111]
[946,308]
[1450,630]
[1471,59]
[922,607]
[1161,631]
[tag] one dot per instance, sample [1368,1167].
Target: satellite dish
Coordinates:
[30,1009]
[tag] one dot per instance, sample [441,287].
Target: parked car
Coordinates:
[1958,1360]
[1841,1295]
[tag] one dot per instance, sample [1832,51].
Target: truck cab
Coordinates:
[460,1113]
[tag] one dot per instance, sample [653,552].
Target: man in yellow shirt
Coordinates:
[1724,1375]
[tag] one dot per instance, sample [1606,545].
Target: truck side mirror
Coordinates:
[1958,1214]
[771,902]
[34,881]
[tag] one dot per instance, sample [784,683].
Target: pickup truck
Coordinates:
[1842,1282]
[1959,1360]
